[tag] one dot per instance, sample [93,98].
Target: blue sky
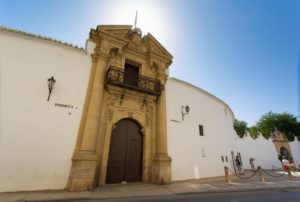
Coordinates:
[245,52]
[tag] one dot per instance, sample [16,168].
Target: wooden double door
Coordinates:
[125,153]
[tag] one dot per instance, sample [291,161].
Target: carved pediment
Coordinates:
[120,31]
[134,40]
[156,47]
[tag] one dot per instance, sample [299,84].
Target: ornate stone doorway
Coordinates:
[125,153]
[127,80]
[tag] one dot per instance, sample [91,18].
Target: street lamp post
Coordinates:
[51,82]
[184,110]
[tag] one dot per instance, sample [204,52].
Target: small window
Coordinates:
[222,158]
[201,132]
[226,159]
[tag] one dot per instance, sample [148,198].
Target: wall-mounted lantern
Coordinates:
[51,82]
[184,111]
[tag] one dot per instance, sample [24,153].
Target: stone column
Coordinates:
[162,162]
[85,159]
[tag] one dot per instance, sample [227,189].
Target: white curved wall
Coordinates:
[196,156]
[186,146]
[295,147]
[37,138]
[262,150]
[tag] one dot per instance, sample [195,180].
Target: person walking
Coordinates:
[285,164]
[239,165]
[252,164]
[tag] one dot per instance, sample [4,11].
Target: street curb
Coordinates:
[159,195]
[241,190]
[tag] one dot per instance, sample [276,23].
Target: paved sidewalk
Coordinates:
[216,184]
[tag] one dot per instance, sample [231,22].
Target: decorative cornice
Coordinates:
[28,34]
[99,56]
[112,37]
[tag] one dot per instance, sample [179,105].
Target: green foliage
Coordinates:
[286,123]
[240,127]
[254,133]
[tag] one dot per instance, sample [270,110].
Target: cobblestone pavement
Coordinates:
[206,185]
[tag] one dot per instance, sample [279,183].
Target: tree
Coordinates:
[268,123]
[240,127]
[286,123]
[254,132]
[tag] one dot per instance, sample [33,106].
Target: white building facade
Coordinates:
[200,142]
[37,137]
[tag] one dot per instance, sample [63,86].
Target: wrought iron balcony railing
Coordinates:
[116,76]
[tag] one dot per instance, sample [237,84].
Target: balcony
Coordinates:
[116,76]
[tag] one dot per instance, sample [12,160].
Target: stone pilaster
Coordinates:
[85,159]
[161,170]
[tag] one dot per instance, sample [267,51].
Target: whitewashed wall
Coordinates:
[196,156]
[37,138]
[295,147]
[262,150]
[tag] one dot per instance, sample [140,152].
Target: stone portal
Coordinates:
[126,89]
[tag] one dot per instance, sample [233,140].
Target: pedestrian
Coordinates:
[285,163]
[252,164]
[239,165]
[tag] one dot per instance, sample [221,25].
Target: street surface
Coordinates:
[283,195]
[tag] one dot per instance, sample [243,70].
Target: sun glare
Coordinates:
[150,16]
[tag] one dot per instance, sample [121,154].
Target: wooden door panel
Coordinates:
[134,160]
[134,154]
[125,154]
[117,155]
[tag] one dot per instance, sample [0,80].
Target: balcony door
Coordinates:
[131,75]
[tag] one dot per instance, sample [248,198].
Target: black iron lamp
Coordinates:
[184,110]
[51,82]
